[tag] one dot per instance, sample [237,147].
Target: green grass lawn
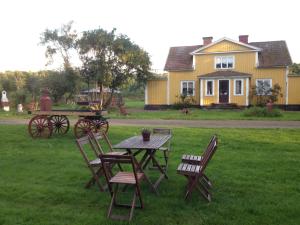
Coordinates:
[255,173]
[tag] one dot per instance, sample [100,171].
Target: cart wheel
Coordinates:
[100,126]
[60,124]
[82,127]
[40,127]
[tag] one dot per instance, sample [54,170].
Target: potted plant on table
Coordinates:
[146,134]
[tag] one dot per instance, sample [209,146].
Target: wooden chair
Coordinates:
[196,159]
[99,137]
[85,145]
[133,178]
[164,149]
[195,172]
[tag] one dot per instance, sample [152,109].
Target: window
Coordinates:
[238,87]
[263,86]
[224,62]
[209,88]
[187,88]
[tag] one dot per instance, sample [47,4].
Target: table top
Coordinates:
[136,142]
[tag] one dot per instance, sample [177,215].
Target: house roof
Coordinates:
[271,54]
[179,58]
[224,74]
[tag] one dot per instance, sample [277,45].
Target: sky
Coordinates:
[155,25]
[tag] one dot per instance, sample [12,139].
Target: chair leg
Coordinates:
[132,206]
[191,186]
[208,182]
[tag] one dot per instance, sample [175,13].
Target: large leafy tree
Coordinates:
[108,59]
[295,68]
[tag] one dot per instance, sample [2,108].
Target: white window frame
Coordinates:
[256,81]
[234,87]
[225,56]
[213,88]
[187,81]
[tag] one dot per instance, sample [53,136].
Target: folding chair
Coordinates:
[196,159]
[166,148]
[195,173]
[84,145]
[133,178]
[99,137]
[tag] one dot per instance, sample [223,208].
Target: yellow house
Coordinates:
[224,72]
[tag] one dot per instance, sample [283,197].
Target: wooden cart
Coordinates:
[45,123]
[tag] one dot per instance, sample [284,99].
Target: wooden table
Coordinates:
[136,145]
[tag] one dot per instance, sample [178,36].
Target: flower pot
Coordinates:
[146,136]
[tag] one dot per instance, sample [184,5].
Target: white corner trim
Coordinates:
[287,86]
[213,88]
[242,87]
[194,62]
[201,92]
[168,89]
[247,91]
[218,91]
[146,94]
[225,39]
[229,90]
[256,60]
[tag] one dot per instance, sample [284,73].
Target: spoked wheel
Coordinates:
[60,124]
[100,126]
[82,127]
[40,127]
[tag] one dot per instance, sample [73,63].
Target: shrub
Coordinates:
[262,112]
[184,102]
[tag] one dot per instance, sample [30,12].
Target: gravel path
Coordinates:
[187,123]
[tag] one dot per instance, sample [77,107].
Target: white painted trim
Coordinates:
[187,86]
[194,62]
[242,87]
[223,77]
[201,92]
[229,91]
[226,39]
[263,80]
[168,89]
[213,88]
[146,94]
[218,90]
[233,63]
[256,60]
[287,86]
[211,53]
[247,91]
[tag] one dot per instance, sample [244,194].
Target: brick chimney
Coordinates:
[207,40]
[243,38]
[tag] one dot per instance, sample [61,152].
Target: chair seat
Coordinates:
[188,169]
[126,178]
[163,149]
[116,153]
[95,162]
[191,159]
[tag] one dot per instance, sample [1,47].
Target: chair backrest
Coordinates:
[162,131]
[85,145]
[96,138]
[209,152]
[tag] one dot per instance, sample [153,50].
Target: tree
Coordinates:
[295,68]
[59,41]
[112,60]
[108,60]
